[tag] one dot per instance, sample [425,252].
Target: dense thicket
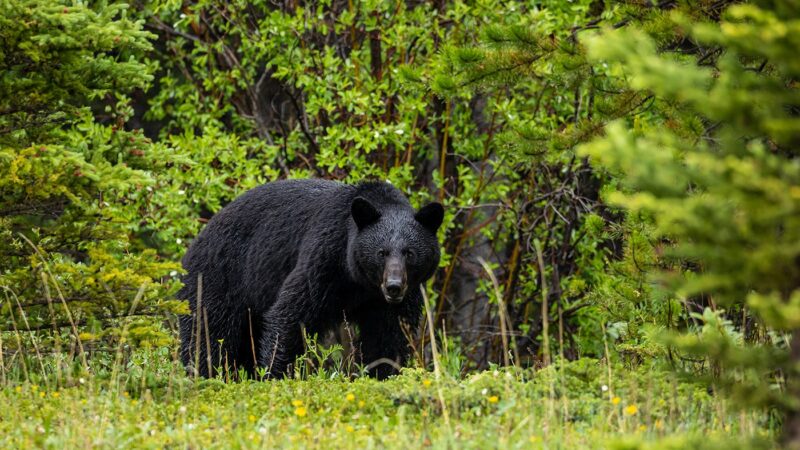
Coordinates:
[620,177]
[74,181]
[722,192]
[260,91]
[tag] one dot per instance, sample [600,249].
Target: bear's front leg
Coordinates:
[382,335]
[280,345]
[281,339]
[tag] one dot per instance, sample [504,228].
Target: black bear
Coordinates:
[307,254]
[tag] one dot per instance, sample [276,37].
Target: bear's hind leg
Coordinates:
[247,351]
[211,343]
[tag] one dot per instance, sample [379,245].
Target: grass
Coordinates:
[145,401]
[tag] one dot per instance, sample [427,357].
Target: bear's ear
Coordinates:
[430,216]
[363,212]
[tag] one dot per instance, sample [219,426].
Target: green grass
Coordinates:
[147,402]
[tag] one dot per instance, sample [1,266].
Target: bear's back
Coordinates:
[284,205]
[286,195]
[251,245]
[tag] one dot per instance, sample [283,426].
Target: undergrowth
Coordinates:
[145,400]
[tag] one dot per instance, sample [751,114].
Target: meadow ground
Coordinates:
[148,402]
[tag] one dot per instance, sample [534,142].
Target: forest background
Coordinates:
[621,179]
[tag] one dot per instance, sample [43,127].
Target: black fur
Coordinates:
[305,253]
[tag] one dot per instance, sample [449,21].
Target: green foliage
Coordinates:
[678,247]
[56,56]
[71,185]
[596,260]
[256,93]
[724,194]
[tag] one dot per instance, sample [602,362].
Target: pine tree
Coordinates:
[74,182]
[720,178]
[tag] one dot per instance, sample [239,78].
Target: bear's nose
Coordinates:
[394,288]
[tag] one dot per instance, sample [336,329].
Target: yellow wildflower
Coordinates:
[349,428]
[55,394]
[615,400]
[18,388]
[297,403]
[41,394]
[493,399]
[426,382]
[251,418]
[350,397]
[659,424]
[631,410]
[642,428]
[300,411]
[86,337]
[361,403]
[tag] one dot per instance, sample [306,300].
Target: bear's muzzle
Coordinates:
[394,280]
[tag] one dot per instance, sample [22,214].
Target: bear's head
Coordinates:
[395,247]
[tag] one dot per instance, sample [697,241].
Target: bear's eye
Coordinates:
[409,254]
[382,253]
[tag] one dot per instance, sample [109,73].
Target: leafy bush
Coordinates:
[73,180]
[719,179]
